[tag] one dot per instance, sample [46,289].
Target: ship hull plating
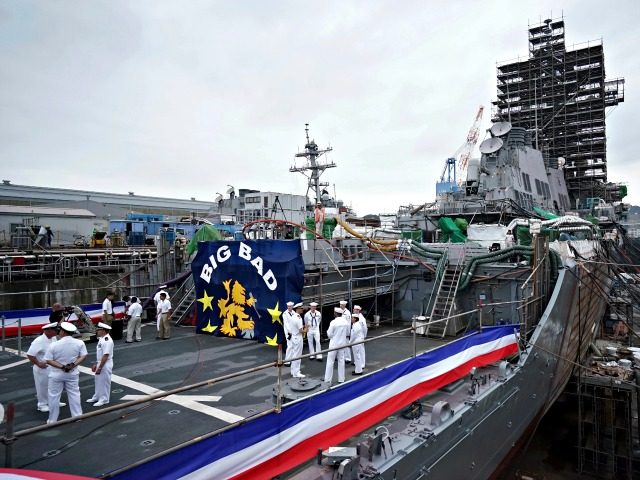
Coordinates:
[507,414]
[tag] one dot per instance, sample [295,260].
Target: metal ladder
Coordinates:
[183,307]
[445,302]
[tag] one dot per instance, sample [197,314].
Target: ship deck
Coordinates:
[102,445]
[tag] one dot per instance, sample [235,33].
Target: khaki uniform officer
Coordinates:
[165,311]
[135,323]
[107,308]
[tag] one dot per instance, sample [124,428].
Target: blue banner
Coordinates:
[242,287]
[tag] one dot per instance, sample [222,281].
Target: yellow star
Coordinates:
[209,328]
[275,314]
[206,302]
[272,341]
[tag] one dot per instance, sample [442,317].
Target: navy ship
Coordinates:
[479,307]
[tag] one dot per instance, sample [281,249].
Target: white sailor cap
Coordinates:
[357,307]
[103,326]
[343,302]
[289,304]
[50,325]
[313,304]
[338,310]
[68,327]
[298,305]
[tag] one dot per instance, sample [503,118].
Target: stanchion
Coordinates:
[19,336]
[2,318]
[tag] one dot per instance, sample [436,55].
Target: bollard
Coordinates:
[2,318]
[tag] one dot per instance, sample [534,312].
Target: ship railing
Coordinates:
[4,325]
[9,437]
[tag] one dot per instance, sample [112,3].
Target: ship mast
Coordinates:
[314,165]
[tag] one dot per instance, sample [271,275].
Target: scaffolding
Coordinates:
[560,96]
[608,423]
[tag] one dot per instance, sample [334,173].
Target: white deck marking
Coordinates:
[14,364]
[188,401]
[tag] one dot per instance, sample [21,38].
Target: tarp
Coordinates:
[450,231]
[206,234]
[545,214]
[242,287]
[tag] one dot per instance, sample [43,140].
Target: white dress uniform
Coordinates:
[41,375]
[296,325]
[64,351]
[357,335]
[135,322]
[347,351]
[337,333]
[313,319]
[102,393]
[365,328]
[287,323]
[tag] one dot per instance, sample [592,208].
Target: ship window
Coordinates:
[527,182]
[266,202]
[538,187]
[547,192]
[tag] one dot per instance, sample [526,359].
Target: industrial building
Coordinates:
[20,223]
[560,95]
[74,214]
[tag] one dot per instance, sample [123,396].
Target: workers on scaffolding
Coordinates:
[318,217]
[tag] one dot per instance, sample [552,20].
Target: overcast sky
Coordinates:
[182,98]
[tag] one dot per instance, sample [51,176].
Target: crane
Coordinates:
[455,167]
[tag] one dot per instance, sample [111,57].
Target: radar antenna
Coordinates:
[313,165]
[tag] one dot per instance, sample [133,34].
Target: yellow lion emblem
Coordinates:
[232,312]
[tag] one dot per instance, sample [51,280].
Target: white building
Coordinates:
[64,222]
[273,205]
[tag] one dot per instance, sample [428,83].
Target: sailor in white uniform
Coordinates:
[357,335]
[64,356]
[313,319]
[356,311]
[35,354]
[287,319]
[347,315]
[337,333]
[297,330]
[103,367]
